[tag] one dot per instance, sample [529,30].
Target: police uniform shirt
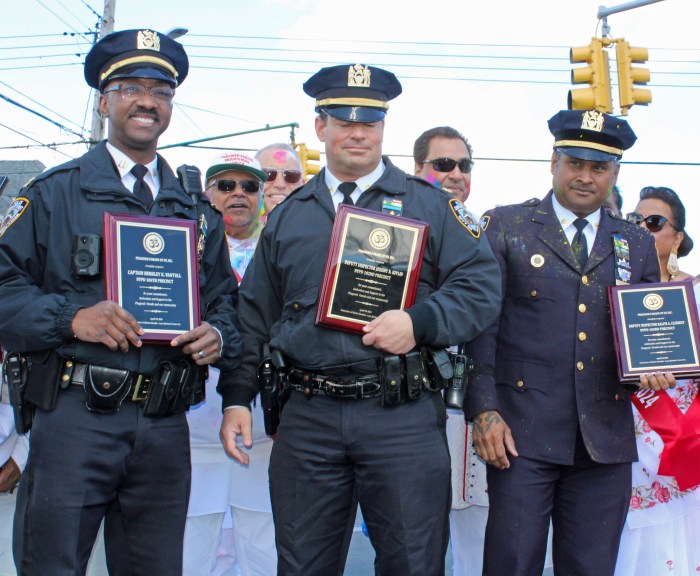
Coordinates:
[363,183]
[567,217]
[124,165]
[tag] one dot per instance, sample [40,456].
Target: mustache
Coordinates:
[140,111]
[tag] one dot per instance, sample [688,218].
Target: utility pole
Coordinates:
[106,26]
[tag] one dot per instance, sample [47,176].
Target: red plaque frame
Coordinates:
[151,271]
[373,265]
[655,328]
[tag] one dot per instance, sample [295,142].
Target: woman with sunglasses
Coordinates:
[662,530]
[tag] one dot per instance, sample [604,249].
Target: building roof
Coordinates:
[13,175]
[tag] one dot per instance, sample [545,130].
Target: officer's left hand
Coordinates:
[391,331]
[237,421]
[9,475]
[203,344]
[658,381]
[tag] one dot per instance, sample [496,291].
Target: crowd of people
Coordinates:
[544,459]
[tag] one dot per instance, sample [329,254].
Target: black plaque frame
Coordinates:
[151,271]
[363,277]
[656,329]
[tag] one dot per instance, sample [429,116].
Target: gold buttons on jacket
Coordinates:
[579,366]
[296,306]
[582,336]
[581,308]
[584,279]
[533,293]
[520,384]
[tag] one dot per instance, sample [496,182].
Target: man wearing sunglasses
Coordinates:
[97,450]
[443,157]
[338,441]
[550,417]
[282,167]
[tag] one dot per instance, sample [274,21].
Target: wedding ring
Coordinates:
[200,354]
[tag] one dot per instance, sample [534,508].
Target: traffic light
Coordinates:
[306,154]
[596,74]
[628,76]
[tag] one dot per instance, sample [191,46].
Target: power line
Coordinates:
[62,5]
[40,104]
[61,126]
[59,17]
[33,139]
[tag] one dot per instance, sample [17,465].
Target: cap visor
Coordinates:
[219,168]
[355,113]
[145,72]
[588,154]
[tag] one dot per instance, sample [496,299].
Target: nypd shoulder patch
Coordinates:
[13,213]
[466,218]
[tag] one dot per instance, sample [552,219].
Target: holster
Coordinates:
[15,373]
[43,370]
[454,393]
[272,375]
[391,380]
[439,368]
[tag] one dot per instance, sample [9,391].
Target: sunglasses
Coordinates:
[654,222]
[448,164]
[248,186]
[290,176]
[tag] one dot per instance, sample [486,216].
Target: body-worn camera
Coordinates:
[85,256]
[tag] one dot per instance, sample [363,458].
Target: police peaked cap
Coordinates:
[591,135]
[354,92]
[136,54]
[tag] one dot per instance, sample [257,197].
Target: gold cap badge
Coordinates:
[359,76]
[593,120]
[148,40]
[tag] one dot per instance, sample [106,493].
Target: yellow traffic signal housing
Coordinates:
[629,76]
[596,74]
[306,154]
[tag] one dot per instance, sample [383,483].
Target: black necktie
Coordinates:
[579,244]
[141,189]
[346,189]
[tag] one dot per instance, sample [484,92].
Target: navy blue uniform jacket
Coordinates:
[38,294]
[458,292]
[552,346]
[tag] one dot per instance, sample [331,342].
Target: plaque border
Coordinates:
[330,277]
[113,224]
[628,373]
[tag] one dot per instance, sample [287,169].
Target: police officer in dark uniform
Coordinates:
[97,450]
[550,415]
[336,438]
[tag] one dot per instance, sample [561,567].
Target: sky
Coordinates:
[496,71]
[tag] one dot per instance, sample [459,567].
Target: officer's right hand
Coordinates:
[237,421]
[108,323]
[492,438]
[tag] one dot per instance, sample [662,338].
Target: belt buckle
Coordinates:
[141,388]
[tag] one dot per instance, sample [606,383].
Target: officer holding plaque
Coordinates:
[550,416]
[363,415]
[109,436]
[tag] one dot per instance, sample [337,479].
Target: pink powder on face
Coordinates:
[228,220]
[431,177]
[280,155]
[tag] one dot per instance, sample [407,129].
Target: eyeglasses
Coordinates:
[290,176]
[228,186]
[136,91]
[448,164]
[654,222]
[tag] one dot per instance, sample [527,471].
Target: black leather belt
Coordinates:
[75,374]
[365,386]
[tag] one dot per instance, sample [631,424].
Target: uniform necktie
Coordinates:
[141,189]
[346,189]
[579,244]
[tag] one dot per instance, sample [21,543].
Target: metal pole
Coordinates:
[106,26]
[604,12]
[292,125]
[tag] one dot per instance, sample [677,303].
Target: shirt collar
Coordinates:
[363,183]
[566,217]
[124,164]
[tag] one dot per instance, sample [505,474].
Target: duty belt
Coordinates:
[75,374]
[365,386]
